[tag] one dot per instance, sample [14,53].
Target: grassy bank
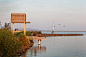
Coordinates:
[28,33]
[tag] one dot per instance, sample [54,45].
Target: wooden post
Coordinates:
[11,26]
[24,28]
[13,29]
[39,41]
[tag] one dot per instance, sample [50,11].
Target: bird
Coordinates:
[64,26]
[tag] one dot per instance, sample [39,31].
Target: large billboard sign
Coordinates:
[18,17]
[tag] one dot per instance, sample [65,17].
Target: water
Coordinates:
[59,46]
[84,33]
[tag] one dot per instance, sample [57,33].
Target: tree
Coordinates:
[8,44]
[7,25]
[0,25]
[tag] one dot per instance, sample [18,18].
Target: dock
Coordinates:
[47,35]
[35,37]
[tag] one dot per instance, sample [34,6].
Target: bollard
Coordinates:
[39,41]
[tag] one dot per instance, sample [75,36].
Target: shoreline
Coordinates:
[24,48]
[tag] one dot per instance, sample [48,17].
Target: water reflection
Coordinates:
[38,49]
[34,51]
[75,40]
[61,46]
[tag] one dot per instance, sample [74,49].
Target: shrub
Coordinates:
[28,33]
[16,35]
[39,32]
[25,41]
[8,44]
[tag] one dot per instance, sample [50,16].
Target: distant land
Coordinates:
[27,29]
[31,29]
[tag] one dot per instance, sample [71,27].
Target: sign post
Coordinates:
[18,18]
[13,29]
[24,29]
[11,26]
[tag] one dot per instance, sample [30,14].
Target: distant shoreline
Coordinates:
[54,31]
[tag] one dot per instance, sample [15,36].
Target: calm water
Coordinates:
[59,46]
[84,33]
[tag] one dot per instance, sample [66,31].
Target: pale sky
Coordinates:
[41,13]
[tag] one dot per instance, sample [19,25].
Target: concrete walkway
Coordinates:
[35,37]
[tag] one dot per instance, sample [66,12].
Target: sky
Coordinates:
[42,13]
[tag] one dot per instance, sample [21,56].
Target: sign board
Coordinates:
[18,17]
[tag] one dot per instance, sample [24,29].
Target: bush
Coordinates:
[28,33]
[8,44]
[16,35]
[39,32]
[21,39]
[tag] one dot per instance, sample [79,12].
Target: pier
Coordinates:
[35,37]
[47,35]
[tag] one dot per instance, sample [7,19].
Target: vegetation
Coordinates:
[16,35]
[22,39]
[8,44]
[28,33]
[0,25]
[6,25]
